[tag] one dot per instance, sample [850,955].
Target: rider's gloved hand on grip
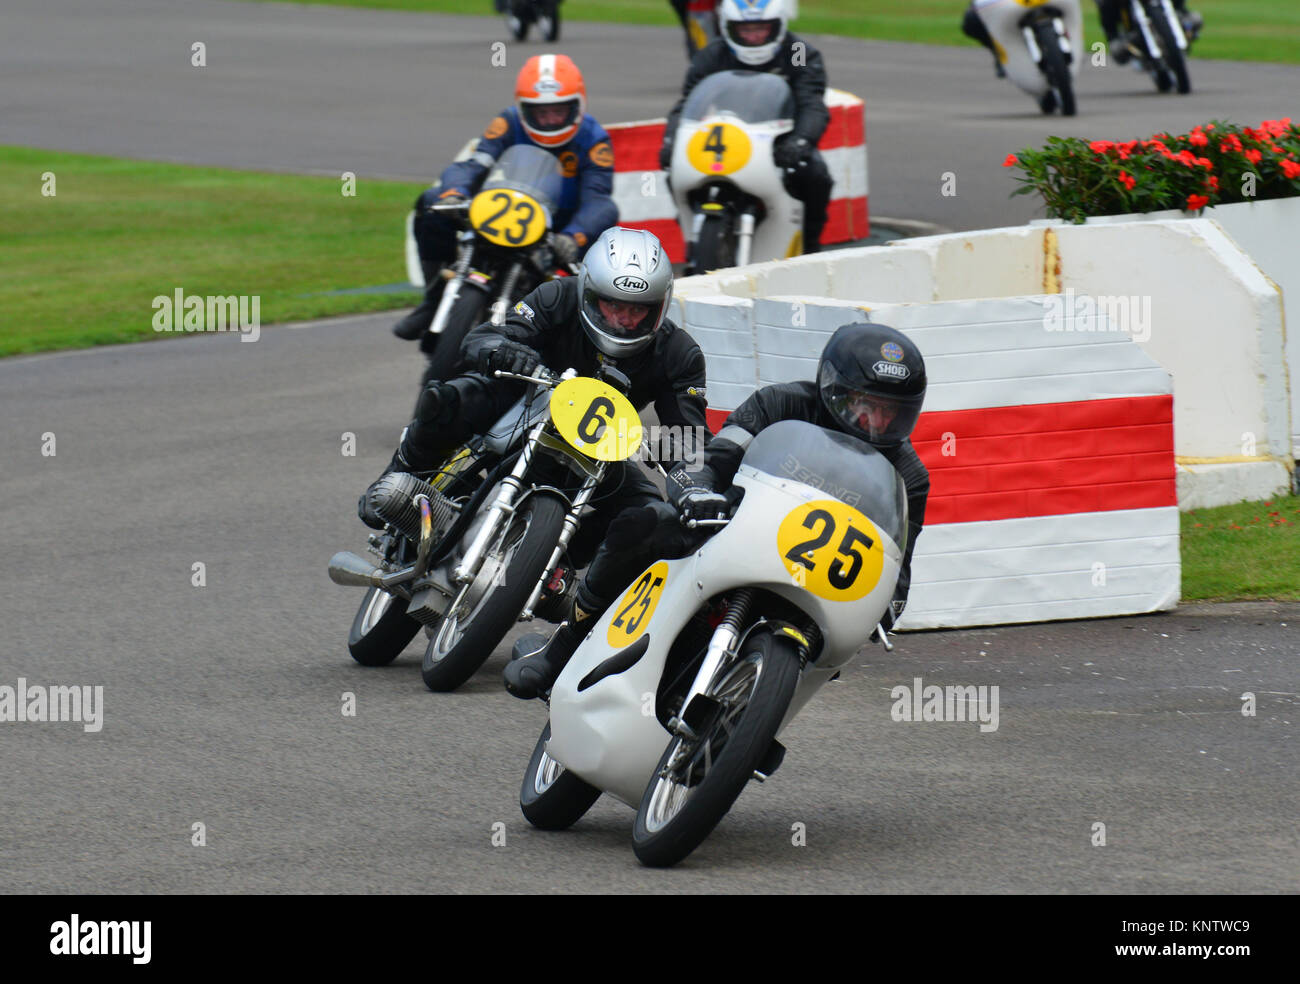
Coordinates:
[695,497]
[789,150]
[565,248]
[510,357]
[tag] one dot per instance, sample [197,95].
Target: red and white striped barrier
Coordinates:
[1051,453]
[644,202]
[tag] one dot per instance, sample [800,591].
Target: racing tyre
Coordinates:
[716,247]
[548,20]
[517,19]
[467,312]
[381,628]
[551,798]
[696,782]
[481,615]
[1055,67]
[1175,58]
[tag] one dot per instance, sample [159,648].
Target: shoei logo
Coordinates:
[547,85]
[891,369]
[892,351]
[633,285]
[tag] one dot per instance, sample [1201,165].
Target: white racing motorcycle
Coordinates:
[1034,41]
[731,202]
[673,716]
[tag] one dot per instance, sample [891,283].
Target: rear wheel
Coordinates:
[548,20]
[551,798]
[481,615]
[716,247]
[1055,67]
[381,628]
[1175,59]
[697,781]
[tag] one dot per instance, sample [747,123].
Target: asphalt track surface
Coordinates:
[222,703]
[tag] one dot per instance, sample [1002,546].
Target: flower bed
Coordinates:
[1216,163]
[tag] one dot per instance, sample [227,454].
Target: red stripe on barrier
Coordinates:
[1044,459]
[636,148]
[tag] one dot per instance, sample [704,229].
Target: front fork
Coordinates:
[459,272]
[570,527]
[502,506]
[502,304]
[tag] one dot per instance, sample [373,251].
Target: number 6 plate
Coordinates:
[596,419]
[831,549]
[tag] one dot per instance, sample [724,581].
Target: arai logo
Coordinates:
[547,85]
[633,285]
[891,369]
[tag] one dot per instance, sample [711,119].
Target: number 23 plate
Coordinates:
[831,549]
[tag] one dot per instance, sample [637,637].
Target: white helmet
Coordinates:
[754,29]
[625,285]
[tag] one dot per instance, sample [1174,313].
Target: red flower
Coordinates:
[1010,161]
[1206,163]
[1214,183]
[1196,202]
[1233,142]
[1290,168]
[1187,157]
[1126,180]
[1100,146]
[1198,139]
[1254,156]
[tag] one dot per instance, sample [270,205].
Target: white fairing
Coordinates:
[1002,18]
[759,177]
[608,734]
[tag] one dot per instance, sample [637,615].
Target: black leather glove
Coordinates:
[789,150]
[696,498]
[510,357]
[666,155]
[565,248]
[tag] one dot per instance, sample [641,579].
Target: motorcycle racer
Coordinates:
[1114,18]
[614,313]
[870,384]
[550,111]
[755,37]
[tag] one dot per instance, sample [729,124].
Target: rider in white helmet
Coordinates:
[755,36]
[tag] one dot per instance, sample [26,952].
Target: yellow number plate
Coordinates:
[596,419]
[719,148]
[507,218]
[635,609]
[831,549]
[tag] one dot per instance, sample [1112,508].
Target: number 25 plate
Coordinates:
[831,549]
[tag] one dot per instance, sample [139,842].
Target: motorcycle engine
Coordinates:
[393,499]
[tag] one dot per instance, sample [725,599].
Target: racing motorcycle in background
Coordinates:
[523,14]
[675,699]
[1155,38]
[497,257]
[731,200]
[469,548]
[1034,42]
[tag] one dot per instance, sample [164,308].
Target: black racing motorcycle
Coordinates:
[1155,37]
[523,14]
[498,259]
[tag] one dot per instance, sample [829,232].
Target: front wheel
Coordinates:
[548,20]
[1055,67]
[481,615]
[466,313]
[696,782]
[551,798]
[716,247]
[1174,58]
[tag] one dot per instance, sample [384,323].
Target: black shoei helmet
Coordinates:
[872,382]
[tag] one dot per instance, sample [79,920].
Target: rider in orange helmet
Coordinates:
[550,111]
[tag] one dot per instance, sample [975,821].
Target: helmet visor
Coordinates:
[621,319]
[870,412]
[550,117]
[753,33]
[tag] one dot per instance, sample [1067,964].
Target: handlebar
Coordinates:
[695,523]
[542,377]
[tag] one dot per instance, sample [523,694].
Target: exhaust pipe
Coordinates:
[349,569]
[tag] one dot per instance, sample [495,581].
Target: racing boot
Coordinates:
[369,498]
[437,403]
[538,667]
[418,321]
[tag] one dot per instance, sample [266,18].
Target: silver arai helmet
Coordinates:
[625,284]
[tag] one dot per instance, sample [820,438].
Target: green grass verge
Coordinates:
[82,267]
[1240,30]
[1247,551]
